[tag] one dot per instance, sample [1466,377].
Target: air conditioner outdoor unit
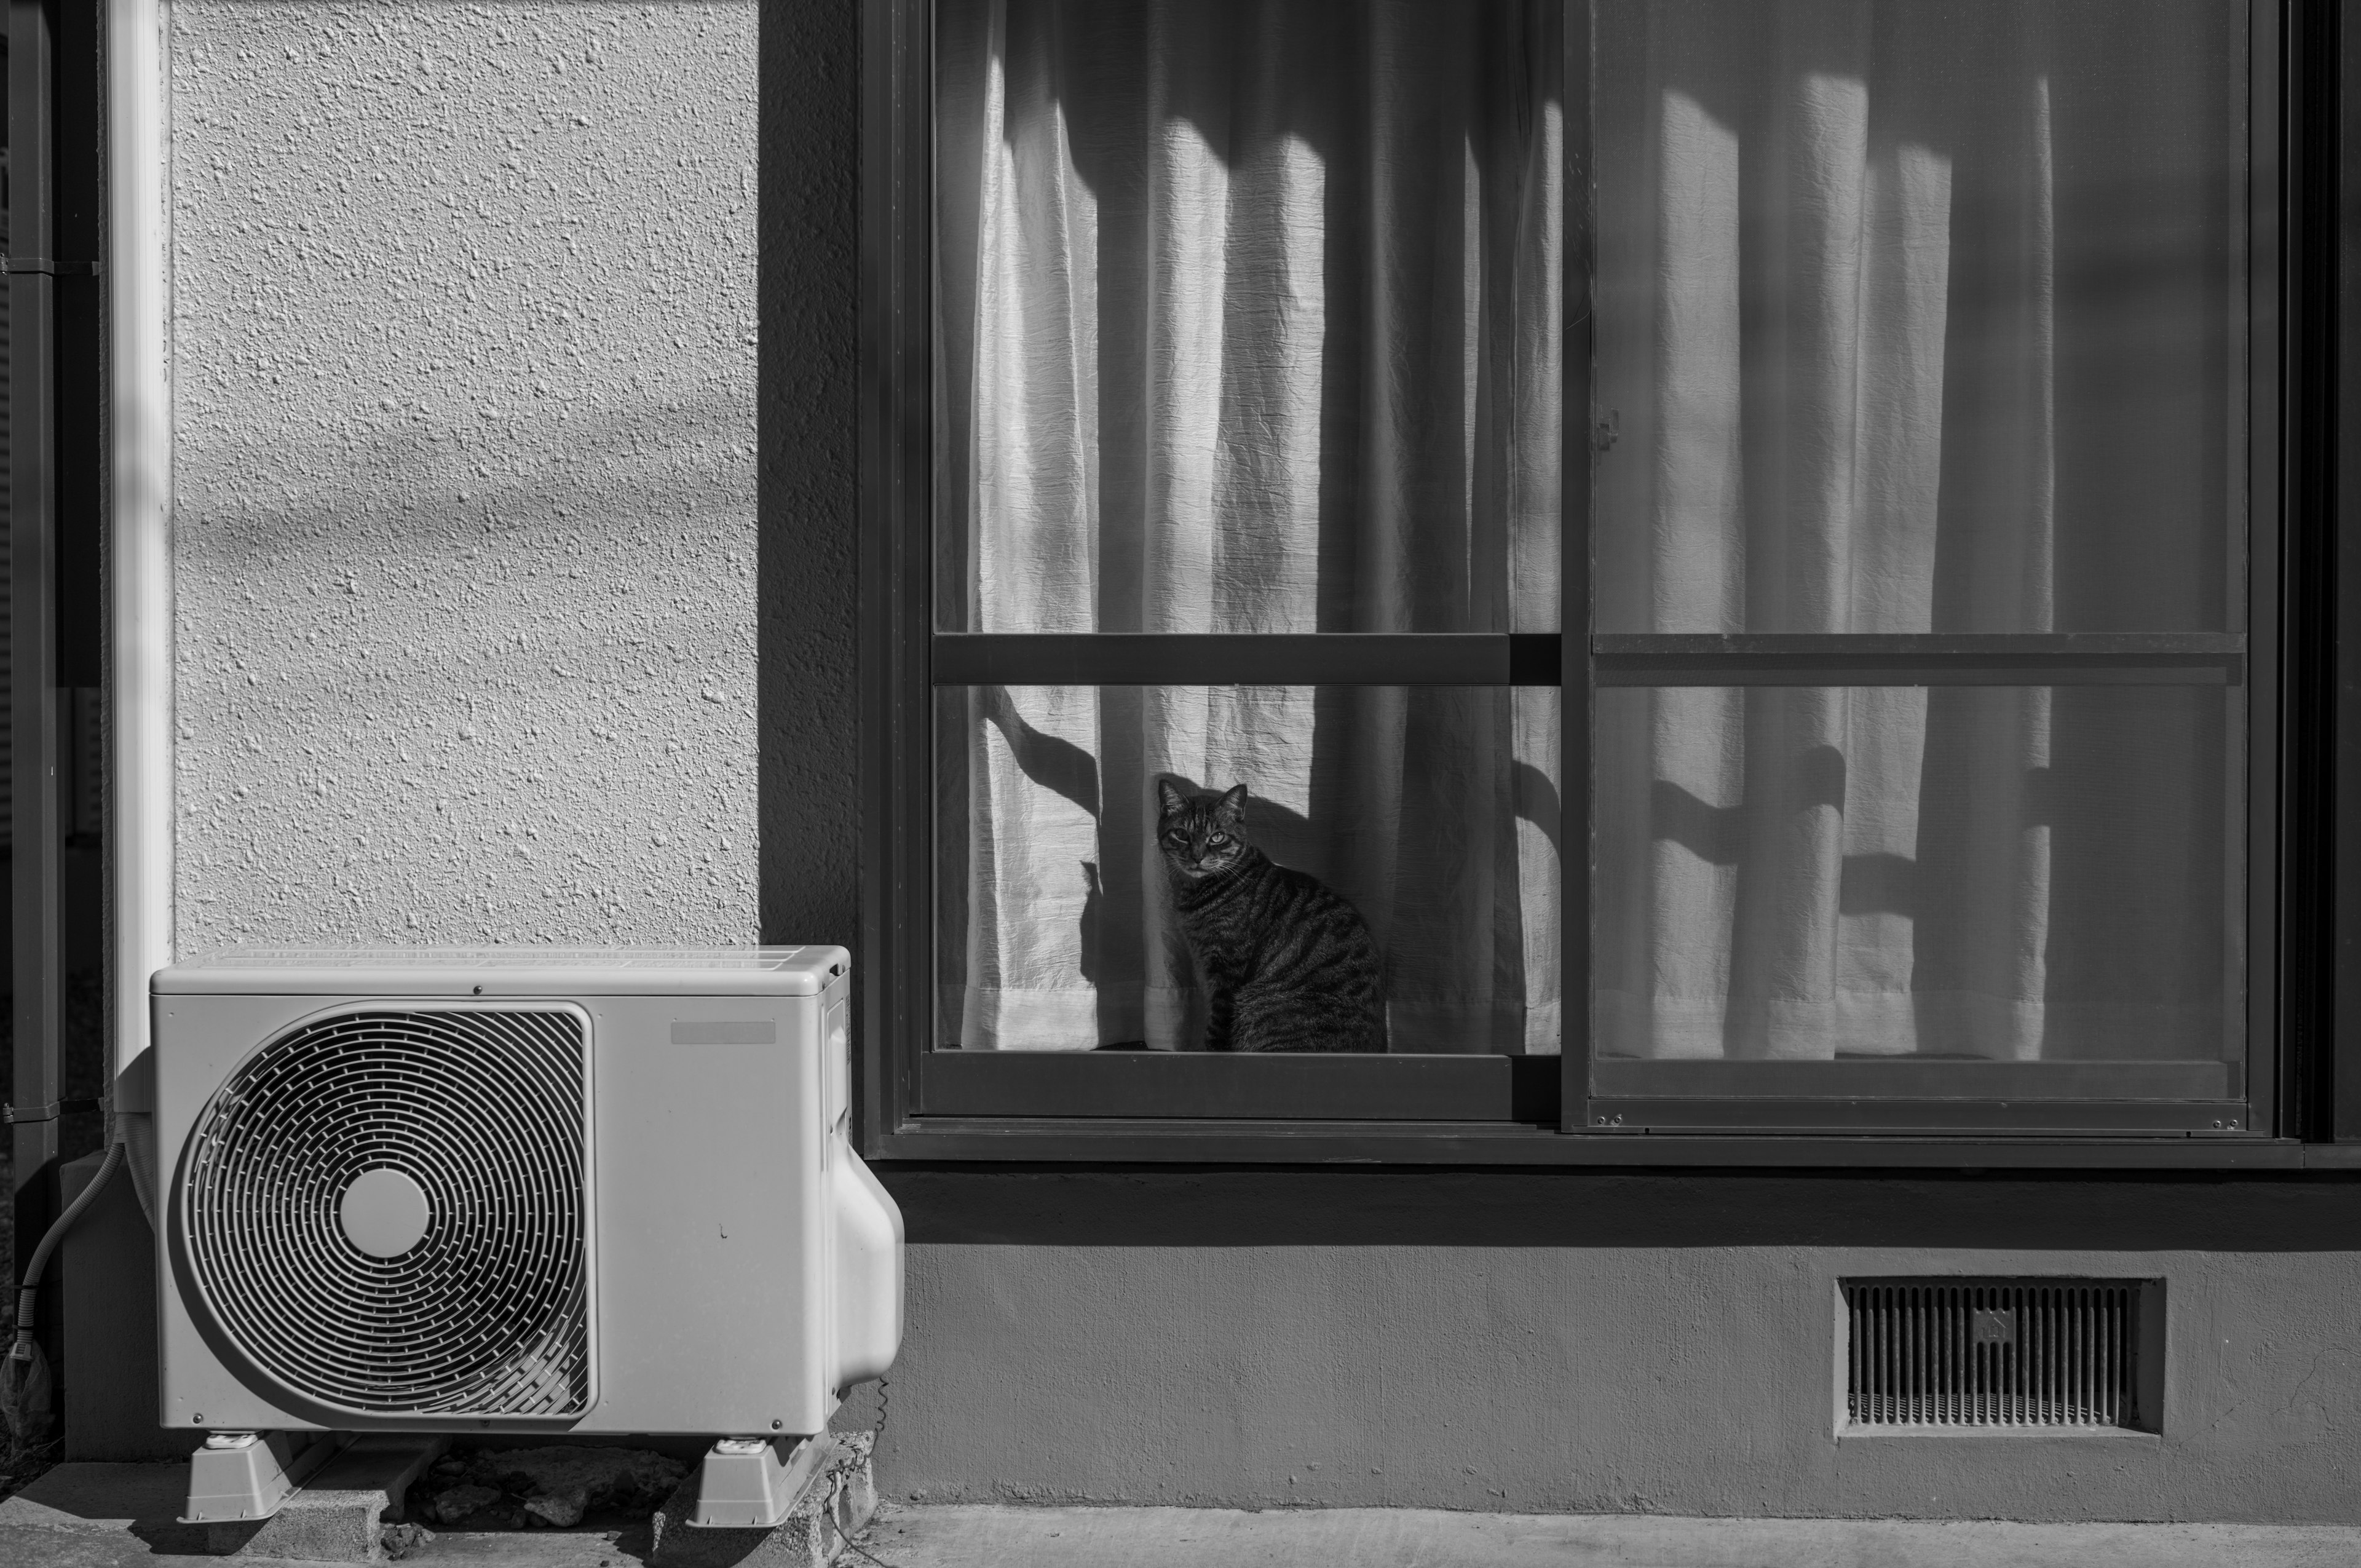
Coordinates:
[515,1191]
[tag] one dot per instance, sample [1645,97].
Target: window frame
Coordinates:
[918,1104]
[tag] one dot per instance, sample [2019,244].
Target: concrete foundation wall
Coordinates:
[1540,1343]
[493,625]
[1538,1381]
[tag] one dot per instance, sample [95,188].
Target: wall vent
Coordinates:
[1951,1353]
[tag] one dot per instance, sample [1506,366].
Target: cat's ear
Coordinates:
[1232,807]
[1168,796]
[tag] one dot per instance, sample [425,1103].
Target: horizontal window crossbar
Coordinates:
[1919,659]
[1239,1087]
[1342,658]
[1106,1140]
[1531,659]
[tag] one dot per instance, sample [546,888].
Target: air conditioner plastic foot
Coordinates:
[832,1503]
[248,1475]
[748,1483]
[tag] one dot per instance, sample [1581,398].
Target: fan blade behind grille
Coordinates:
[485,1110]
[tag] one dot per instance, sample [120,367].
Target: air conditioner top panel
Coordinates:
[506,971]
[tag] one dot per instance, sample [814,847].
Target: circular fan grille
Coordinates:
[483,1109]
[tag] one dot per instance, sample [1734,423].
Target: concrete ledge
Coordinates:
[340,1514]
[119,1515]
[999,1536]
[836,1503]
[140,1503]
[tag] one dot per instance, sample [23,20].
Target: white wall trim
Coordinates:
[140,563]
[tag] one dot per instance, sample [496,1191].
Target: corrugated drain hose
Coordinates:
[25,1385]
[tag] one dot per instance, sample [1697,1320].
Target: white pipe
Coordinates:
[140,586]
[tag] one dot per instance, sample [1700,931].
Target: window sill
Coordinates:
[1082,1140]
[1238,1087]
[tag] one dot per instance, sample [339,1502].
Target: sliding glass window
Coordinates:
[1249,352]
[1921,536]
[1655,566]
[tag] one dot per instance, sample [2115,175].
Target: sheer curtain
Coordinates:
[1247,320]
[1918,317]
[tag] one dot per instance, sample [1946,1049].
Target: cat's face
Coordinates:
[1201,835]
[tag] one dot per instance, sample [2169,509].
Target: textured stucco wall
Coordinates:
[464,356]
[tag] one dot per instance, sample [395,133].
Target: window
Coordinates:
[1732,552]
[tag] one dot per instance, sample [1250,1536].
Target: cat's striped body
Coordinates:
[1288,964]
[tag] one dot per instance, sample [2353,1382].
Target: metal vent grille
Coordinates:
[1999,1352]
[484,1308]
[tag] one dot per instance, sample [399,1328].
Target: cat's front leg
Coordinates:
[1217,1026]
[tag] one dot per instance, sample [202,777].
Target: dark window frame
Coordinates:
[921,1104]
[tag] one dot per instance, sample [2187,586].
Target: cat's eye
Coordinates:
[1217,839]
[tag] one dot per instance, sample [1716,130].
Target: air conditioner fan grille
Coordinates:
[485,1111]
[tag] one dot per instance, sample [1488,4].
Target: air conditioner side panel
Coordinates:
[710,1226]
[867,1273]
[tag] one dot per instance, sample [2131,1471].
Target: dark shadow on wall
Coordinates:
[1411,1207]
[808,500]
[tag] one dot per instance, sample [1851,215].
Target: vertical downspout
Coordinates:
[139,565]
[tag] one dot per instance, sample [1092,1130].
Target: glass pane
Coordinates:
[1247,315]
[1916,316]
[1911,874]
[1417,909]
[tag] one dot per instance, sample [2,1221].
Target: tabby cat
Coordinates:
[1289,964]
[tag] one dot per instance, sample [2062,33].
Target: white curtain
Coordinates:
[1247,320]
[1915,316]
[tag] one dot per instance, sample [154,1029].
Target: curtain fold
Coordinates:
[1248,321]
